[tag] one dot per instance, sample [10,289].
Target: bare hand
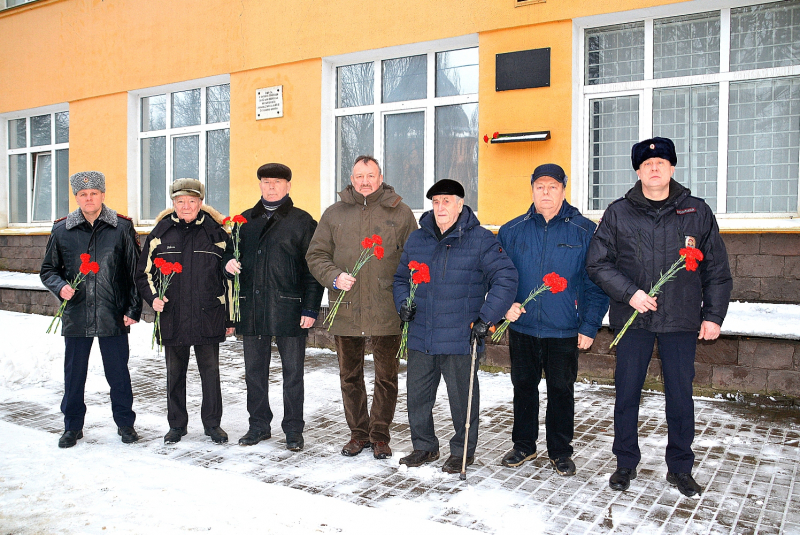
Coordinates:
[128,322]
[642,302]
[229,331]
[306,322]
[158,304]
[514,312]
[709,331]
[233,266]
[345,281]
[584,342]
[67,292]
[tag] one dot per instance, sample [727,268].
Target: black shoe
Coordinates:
[621,479]
[515,458]
[128,434]
[685,483]
[564,466]
[295,442]
[217,434]
[419,457]
[453,464]
[70,438]
[174,435]
[251,438]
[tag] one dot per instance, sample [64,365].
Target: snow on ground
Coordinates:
[21,281]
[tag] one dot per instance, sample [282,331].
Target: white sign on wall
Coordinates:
[269,102]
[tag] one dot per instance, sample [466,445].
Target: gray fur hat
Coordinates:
[87,180]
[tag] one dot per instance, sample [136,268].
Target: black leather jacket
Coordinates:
[102,299]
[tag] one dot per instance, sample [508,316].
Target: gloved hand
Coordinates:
[480,329]
[407,312]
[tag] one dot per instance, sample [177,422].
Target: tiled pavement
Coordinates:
[747,456]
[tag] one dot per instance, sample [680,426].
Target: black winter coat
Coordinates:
[635,243]
[276,286]
[102,299]
[196,312]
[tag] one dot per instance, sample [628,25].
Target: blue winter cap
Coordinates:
[552,170]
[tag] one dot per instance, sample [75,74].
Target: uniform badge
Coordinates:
[690,242]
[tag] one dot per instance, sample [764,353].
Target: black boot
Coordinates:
[419,457]
[515,458]
[621,479]
[685,483]
[174,435]
[294,442]
[70,438]
[217,434]
[128,434]
[252,437]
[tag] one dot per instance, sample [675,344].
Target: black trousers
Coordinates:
[558,358]
[115,352]
[422,376]
[677,351]
[257,356]
[208,365]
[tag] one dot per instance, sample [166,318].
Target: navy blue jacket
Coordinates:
[471,277]
[537,248]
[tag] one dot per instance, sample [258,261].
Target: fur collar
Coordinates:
[107,215]
[204,208]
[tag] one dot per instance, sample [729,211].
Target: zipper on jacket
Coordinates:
[639,244]
[541,268]
[446,256]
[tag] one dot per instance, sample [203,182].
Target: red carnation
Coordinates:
[85,268]
[159,262]
[239,219]
[94,267]
[166,268]
[379,252]
[494,136]
[177,267]
[367,243]
[486,139]
[226,220]
[85,258]
[413,265]
[556,282]
[377,239]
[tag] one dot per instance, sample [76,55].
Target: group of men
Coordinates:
[477,280]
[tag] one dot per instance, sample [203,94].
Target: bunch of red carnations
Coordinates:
[87,266]
[552,281]
[420,274]
[165,272]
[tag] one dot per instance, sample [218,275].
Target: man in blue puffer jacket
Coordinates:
[546,335]
[473,283]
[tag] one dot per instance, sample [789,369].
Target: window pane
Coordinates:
[766,35]
[404,156]
[17,131]
[457,72]
[18,188]
[186,157]
[686,46]
[354,137]
[615,54]
[355,86]
[62,183]
[218,104]
[186,108]
[218,164]
[690,117]
[154,113]
[456,152]
[43,187]
[405,78]
[62,127]
[154,176]
[614,128]
[764,146]
[40,130]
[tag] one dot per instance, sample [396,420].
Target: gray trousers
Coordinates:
[257,356]
[422,377]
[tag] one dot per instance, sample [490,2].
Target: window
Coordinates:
[38,167]
[417,113]
[4,4]
[184,133]
[724,85]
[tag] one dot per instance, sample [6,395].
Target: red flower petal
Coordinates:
[85,268]
[239,219]
[177,267]
[413,265]
[377,239]
[417,278]
[166,268]
[226,220]
[94,267]
[367,243]
[158,262]
[379,252]
[494,136]
[486,139]
[85,258]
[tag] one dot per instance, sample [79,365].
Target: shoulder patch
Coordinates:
[124,216]
[681,211]
[59,220]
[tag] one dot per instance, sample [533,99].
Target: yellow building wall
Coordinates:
[504,169]
[98,142]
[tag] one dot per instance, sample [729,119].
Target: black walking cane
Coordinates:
[463,475]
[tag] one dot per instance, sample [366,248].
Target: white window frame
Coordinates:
[135,136]
[582,94]
[380,109]
[5,197]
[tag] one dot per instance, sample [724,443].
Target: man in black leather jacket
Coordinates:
[279,298]
[104,305]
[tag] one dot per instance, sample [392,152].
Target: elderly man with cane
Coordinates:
[473,283]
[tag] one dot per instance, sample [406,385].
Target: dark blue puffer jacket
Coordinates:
[537,248]
[471,277]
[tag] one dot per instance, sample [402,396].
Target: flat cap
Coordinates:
[87,180]
[187,186]
[549,169]
[446,187]
[657,147]
[274,170]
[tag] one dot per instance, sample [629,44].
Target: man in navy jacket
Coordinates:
[552,237]
[472,284]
